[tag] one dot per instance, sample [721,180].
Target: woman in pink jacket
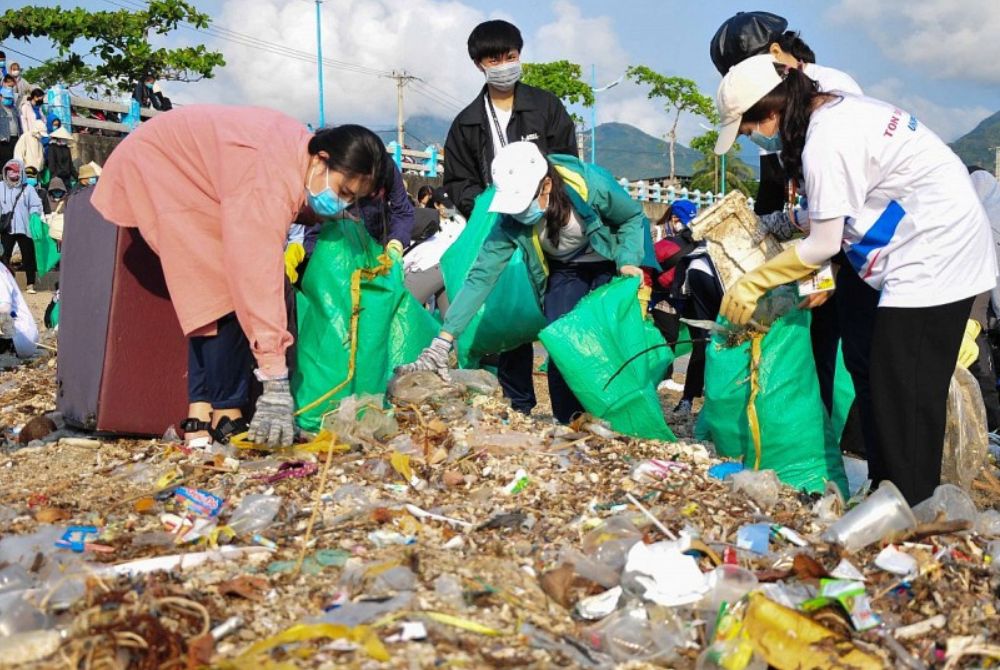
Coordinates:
[213,190]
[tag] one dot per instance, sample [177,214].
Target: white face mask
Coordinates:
[504,77]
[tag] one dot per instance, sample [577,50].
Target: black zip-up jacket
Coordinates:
[537,116]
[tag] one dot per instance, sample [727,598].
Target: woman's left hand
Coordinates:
[631,271]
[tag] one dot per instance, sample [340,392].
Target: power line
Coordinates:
[21,53]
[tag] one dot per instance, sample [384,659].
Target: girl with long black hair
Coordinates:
[900,203]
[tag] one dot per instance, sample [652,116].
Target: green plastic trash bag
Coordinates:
[511,316]
[684,345]
[46,251]
[843,399]
[592,343]
[392,328]
[789,412]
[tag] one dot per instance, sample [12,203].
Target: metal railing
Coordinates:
[653,191]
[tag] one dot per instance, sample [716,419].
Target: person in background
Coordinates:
[213,190]
[3,64]
[88,174]
[55,204]
[29,148]
[18,330]
[577,228]
[887,191]
[21,86]
[424,195]
[59,156]
[988,191]
[505,110]
[422,263]
[18,202]
[148,95]
[31,179]
[10,123]
[750,34]
[31,108]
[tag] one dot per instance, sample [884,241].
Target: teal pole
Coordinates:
[722,181]
[593,115]
[319,62]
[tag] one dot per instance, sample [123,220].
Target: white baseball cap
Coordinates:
[744,86]
[517,169]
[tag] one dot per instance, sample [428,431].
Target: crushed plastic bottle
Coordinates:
[629,635]
[761,486]
[948,500]
[255,513]
[421,388]
[361,419]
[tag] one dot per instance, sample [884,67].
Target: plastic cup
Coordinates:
[950,500]
[881,514]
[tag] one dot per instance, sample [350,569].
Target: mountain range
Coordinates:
[623,149]
[977,146]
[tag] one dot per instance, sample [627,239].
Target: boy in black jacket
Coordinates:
[504,111]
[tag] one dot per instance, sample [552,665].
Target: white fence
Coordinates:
[651,191]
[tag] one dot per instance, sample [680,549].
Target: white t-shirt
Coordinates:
[574,245]
[830,79]
[503,118]
[914,227]
[428,253]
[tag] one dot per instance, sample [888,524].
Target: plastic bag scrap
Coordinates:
[511,315]
[759,405]
[356,321]
[966,442]
[604,335]
[362,636]
[361,419]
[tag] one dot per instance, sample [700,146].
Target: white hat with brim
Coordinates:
[61,133]
[744,86]
[517,169]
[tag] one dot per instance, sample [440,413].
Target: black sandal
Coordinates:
[227,428]
[193,425]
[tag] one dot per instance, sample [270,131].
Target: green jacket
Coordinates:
[615,223]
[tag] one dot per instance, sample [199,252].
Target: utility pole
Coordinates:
[319,62]
[402,79]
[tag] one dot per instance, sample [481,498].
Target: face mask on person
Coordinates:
[530,216]
[3,63]
[769,143]
[32,181]
[149,85]
[57,195]
[15,73]
[504,77]
[325,203]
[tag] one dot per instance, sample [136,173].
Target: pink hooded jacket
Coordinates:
[213,190]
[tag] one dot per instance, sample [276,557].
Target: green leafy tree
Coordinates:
[115,44]
[561,78]
[680,96]
[739,175]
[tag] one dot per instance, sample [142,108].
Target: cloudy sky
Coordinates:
[936,58]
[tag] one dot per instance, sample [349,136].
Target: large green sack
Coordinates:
[843,398]
[790,413]
[46,251]
[590,344]
[392,327]
[511,316]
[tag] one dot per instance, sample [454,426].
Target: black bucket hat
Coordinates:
[744,35]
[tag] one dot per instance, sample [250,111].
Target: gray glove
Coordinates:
[273,423]
[6,326]
[433,358]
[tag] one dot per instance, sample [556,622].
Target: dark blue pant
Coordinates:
[568,283]
[515,372]
[220,367]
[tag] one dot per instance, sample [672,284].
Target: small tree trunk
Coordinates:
[673,142]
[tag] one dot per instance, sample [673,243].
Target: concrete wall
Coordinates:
[95,148]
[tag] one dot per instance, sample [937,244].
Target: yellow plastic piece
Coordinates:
[645,295]
[361,635]
[401,464]
[968,353]
[464,624]
[789,640]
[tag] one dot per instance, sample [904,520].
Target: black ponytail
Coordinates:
[793,100]
[559,208]
[355,151]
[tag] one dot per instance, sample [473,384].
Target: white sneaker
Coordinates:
[670,385]
[31,289]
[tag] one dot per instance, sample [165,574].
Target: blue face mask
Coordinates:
[149,85]
[32,181]
[530,216]
[769,143]
[325,203]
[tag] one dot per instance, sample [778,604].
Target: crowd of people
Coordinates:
[231,200]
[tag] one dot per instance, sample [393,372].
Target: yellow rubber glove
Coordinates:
[740,301]
[394,250]
[968,353]
[294,255]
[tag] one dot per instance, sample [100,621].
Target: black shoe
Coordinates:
[223,432]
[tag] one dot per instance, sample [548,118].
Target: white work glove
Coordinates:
[433,358]
[273,422]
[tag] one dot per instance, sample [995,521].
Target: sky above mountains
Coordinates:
[935,58]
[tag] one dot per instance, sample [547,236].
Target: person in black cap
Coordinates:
[422,263]
[750,34]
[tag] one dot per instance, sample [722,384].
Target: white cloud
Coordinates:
[426,37]
[949,123]
[944,38]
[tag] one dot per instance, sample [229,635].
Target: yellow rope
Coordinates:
[755,342]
